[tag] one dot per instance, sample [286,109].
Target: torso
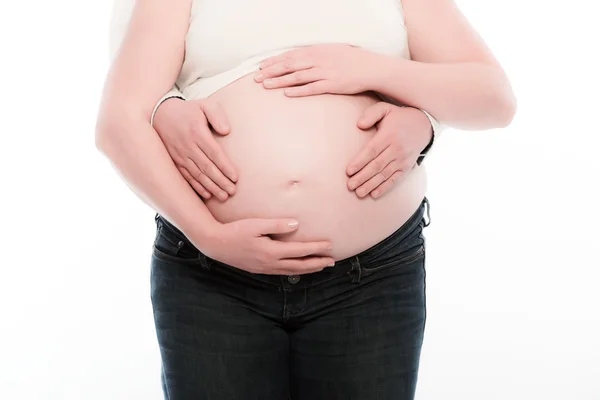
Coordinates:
[292,155]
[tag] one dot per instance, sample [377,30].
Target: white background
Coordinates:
[513,263]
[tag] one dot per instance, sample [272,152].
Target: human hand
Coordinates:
[185,129]
[402,133]
[256,252]
[318,69]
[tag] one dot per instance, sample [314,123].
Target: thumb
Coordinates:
[215,115]
[373,115]
[274,226]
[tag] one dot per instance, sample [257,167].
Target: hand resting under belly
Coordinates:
[292,154]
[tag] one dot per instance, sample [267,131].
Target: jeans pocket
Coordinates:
[403,248]
[171,245]
[401,259]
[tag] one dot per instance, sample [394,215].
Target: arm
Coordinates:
[452,73]
[121,16]
[183,127]
[435,130]
[145,67]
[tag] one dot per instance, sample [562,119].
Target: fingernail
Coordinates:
[352,185]
[375,194]
[230,189]
[268,82]
[352,170]
[293,224]
[222,195]
[330,247]
[258,77]
[331,264]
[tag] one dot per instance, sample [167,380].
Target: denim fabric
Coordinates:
[353,331]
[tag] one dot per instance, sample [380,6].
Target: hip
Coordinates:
[315,328]
[173,252]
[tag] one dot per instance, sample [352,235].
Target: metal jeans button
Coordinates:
[293,279]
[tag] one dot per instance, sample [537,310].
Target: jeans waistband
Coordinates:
[342,267]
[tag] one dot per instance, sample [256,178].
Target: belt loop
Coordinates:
[204,262]
[428,207]
[356,270]
[180,245]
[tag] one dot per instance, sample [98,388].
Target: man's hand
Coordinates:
[402,133]
[185,129]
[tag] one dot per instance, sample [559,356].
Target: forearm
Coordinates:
[469,96]
[141,159]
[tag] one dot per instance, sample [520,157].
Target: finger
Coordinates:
[312,89]
[373,115]
[200,176]
[294,79]
[273,226]
[272,61]
[304,265]
[226,172]
[208,168]
[201,190]
[374,167]
[215,114]
[387,185]
[276,59]
[377,180]
[300,249]
[284,67]
[368,153]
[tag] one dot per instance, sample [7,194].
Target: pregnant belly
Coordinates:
[292,154]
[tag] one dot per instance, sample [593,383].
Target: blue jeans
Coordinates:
[353,331]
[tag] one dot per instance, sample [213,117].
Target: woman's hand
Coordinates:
[318,69]
[402,134]
[256,252]
[185,129]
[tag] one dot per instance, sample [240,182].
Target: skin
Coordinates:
[145,67]
[185,129]
[438,69]
[452,75]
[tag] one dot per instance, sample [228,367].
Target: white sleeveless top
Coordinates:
[227,39]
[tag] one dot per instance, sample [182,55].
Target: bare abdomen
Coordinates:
[292,155]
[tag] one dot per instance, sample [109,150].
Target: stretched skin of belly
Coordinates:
[292,154]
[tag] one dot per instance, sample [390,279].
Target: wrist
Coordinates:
[164,106]
[424,123]
[204,233]
[429,127]
[384,70]
[171,97]
[373,63]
